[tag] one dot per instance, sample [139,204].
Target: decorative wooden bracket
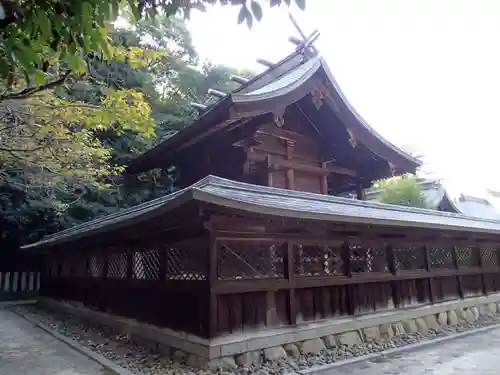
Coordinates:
[393,168]
[279,119]
[352,140]
[317,98]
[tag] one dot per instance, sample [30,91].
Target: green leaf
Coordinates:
[245,15]
[87,15]
[115,9]
[39,78]
[45,25]
[242,14]
[134,8]
[256,10]
[301,4]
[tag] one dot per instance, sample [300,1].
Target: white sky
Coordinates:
[425,72]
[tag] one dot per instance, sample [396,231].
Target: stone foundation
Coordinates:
[285,344]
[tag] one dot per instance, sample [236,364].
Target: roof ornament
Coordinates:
[239,79]
[266,63]
[306,44]
[216,93]
[198,106]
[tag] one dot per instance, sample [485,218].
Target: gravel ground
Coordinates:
[143,360]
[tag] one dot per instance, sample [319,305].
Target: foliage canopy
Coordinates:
[43,42]
[401,190]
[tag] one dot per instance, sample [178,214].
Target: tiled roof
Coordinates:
[278,202]
[280,80]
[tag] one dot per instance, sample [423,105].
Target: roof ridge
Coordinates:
[236,185]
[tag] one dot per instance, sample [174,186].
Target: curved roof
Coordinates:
[276,202]
[302,76]
[477,207]
[267,94]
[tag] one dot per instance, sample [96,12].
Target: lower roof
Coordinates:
[276,202]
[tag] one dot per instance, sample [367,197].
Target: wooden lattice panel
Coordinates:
[188,261]
[314,260]
[96,266]
[467,256]
[441,257]
[146,265]
[489,257]
[409,257]
[117,266]
[249,260]
[370,258]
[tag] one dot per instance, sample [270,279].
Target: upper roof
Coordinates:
[276,202]
[279,86]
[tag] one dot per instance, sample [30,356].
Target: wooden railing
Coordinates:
[233,282]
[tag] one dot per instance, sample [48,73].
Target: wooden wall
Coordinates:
[267,277]
[243,274]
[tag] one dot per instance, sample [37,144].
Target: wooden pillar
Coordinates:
[290,274]
[212,279]
[455,265]
[290,173]
[360,192]
[130,264]
[346,257]
[428,268]
[481,265]
[324,180]
[269,166]
[392,268]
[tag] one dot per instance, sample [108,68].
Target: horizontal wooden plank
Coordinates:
[291,164]
[301,282]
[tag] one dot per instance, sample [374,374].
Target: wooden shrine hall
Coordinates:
[254,237]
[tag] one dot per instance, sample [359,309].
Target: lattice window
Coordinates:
[188,261]
[368,259]
[489,257]
[117,266]
[250,260]
[441,257]
[409,258]
[311,260]
[146,265]
[96,266]
[467,256]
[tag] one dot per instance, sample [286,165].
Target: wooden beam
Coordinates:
[290,164]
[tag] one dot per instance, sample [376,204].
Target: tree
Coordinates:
[401,190]
[43,42]
[62,150]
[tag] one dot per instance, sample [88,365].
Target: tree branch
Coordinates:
[33,90]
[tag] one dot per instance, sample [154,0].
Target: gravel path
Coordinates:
[140,359]
[28,350]
[475,354]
